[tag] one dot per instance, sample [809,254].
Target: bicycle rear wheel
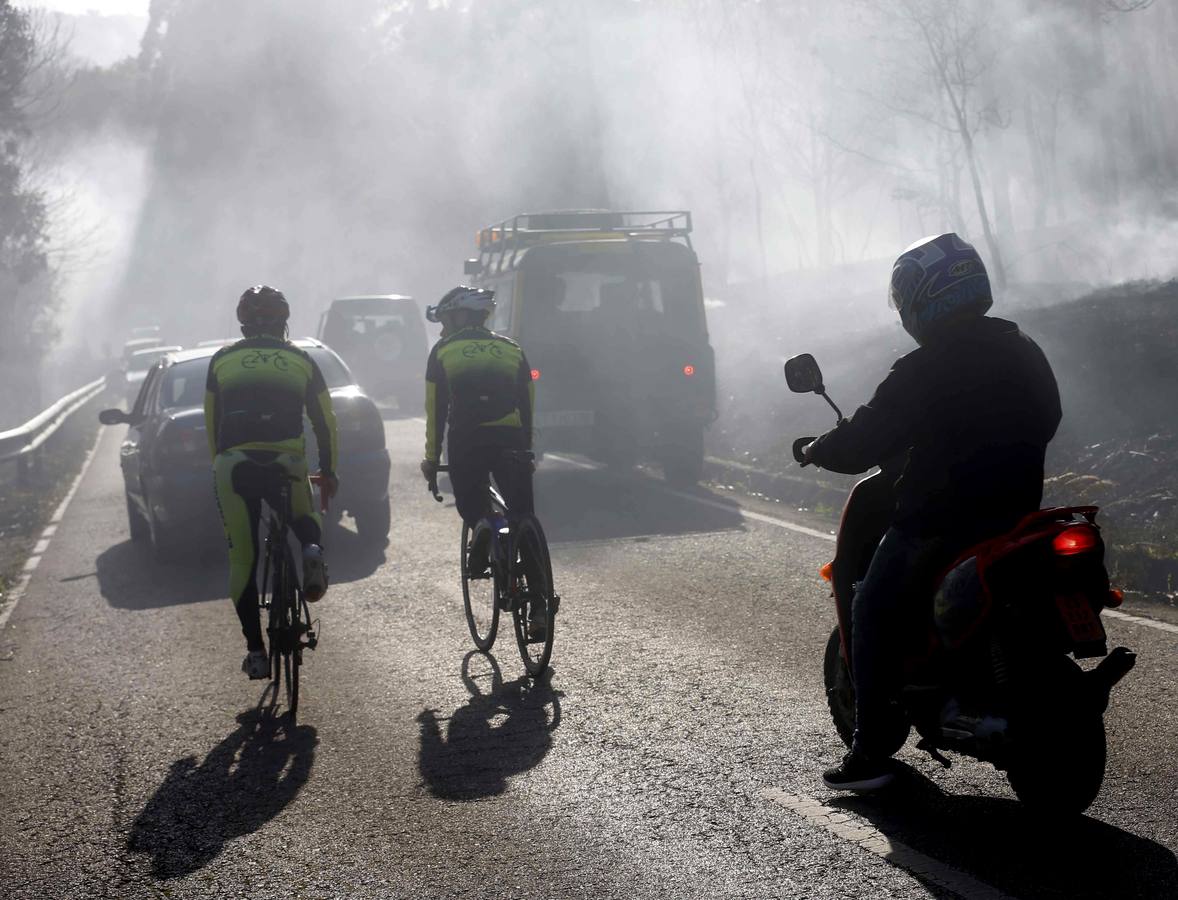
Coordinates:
[480,596]
[530,578]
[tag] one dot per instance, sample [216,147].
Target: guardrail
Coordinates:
[22,444]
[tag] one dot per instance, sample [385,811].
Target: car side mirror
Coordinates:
[472,267]
[803,375]
[114,417]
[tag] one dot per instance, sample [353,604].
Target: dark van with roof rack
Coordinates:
[609,308]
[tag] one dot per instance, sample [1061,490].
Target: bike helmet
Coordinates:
[462,297]
[937,280]
[263,308]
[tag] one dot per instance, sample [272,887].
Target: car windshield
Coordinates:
[184,384]
[595,291]
[335,373]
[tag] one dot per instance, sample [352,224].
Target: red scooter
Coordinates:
[997,677]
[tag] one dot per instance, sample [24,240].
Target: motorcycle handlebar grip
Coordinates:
[800,447]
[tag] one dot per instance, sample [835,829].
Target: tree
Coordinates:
[26,292]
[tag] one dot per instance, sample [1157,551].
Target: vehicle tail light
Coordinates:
[1075,540]
[1115,598]
[689,370]
[827,571]
[535,374]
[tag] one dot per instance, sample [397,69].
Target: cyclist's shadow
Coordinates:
[494,735]
[241,784]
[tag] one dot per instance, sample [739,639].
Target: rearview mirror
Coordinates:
[114,417]
[803,375]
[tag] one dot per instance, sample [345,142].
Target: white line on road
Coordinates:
[850,828]
[58,515]
[814,532]
[1141,620]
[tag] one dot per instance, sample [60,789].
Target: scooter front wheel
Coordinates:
[840,699]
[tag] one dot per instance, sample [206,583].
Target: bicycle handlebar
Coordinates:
[324,500]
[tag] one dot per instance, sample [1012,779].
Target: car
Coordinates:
[165,456]
[382,337]
[138,365]
[608,306]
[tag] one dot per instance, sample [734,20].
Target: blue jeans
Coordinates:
[890,612]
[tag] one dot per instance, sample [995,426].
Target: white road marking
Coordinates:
[851,828]
[813,532]
[1141,620]
[19,590]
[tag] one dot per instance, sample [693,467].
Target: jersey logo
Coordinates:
[471,349]
[259,358]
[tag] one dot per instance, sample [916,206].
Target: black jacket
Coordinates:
[968,417]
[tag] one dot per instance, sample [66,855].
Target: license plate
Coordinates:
[1083,624]
[565,418]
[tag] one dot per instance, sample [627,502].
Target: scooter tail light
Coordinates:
[1076,540]
[1115,598]
[827,571]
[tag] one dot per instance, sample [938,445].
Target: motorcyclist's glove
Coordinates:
[804,450]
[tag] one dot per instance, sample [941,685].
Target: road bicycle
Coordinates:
[290,629]
[519,580]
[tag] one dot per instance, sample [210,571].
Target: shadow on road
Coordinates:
[587,505]
[128,578]
[502,730]
[244,782]
[1001,843]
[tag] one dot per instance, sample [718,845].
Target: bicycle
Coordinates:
[520,577]
[289,629]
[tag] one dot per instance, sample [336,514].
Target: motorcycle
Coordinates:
[997,678]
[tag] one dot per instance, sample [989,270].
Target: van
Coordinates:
[382,339]
[608,306]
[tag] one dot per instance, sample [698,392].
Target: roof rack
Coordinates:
[507,238]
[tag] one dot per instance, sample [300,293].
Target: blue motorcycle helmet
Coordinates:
[936,281]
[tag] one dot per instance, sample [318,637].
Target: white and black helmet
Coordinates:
[462,297]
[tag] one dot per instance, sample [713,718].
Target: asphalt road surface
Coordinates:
[676,750]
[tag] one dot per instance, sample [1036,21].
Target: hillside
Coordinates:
[1114,356]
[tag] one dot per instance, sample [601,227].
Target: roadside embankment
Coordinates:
[1113,352]
[26,504]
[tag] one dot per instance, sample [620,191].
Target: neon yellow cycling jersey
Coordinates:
[255,394]
[476,379]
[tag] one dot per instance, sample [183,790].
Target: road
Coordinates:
[675,751]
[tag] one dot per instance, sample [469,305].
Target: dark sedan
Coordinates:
[165,457]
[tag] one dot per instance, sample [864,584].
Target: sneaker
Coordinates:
[256,665]
[314,573]
[537,622]
[859,773]
[478,565]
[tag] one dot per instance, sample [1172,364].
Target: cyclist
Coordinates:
[967,417]
[255,394]
[480,384]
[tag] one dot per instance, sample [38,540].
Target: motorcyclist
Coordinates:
[480,384]
[965,418]
[255,395]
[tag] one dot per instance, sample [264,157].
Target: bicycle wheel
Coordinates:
[530,579]
[291,656]
[480,596]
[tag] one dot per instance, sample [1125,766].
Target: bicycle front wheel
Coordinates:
[480,596]
[286,631]
[535,601]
